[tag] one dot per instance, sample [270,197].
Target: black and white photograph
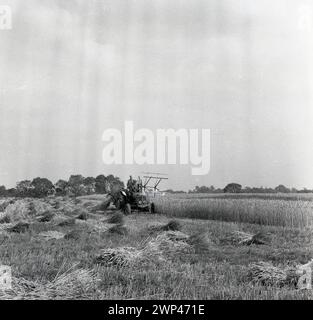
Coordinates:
[156,150]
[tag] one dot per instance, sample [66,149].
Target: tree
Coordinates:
[24,188]
[42,187]
[3,191]
[76,185]
[60,187]
[90,184]
[101,184]
[12,192]
[232,188]
[281,188]
[75,180]
[89,180]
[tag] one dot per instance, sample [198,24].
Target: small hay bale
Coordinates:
[266,273]
[37,207]
[20,227]
[244,238]
[116,218]
[50,235]
[120,257]
[173,225]
[18,210]
[201,242]
[118,229]
[168,243]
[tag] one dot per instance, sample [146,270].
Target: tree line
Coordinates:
[76,185]
[237,188]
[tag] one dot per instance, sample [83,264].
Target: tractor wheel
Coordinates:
[127,209]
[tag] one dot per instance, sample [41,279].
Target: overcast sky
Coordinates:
[69,69]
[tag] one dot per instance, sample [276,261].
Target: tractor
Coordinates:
[136,196]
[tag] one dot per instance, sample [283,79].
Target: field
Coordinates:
[291,210]
[63,248]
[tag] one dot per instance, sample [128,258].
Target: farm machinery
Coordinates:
[138,195]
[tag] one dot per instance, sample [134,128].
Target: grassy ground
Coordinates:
[219,272]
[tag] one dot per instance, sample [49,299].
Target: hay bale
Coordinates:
[38,207]
[116,218]
[18,210]
[244,238]
[50,235]
[20,227]
[201,242]
[265,273]
[168,243]
[69,285]
[120,257]
[172,225]
[156,250]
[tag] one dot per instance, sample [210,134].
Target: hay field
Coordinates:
[62,248]
[288,210]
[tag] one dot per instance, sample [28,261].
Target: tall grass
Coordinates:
[298,214]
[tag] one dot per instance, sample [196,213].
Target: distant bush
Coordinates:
[41,187]
[3,191]
[233,188]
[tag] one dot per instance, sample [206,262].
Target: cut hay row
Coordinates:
[172,225]
[73,284]
[158,249]
[244,238]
